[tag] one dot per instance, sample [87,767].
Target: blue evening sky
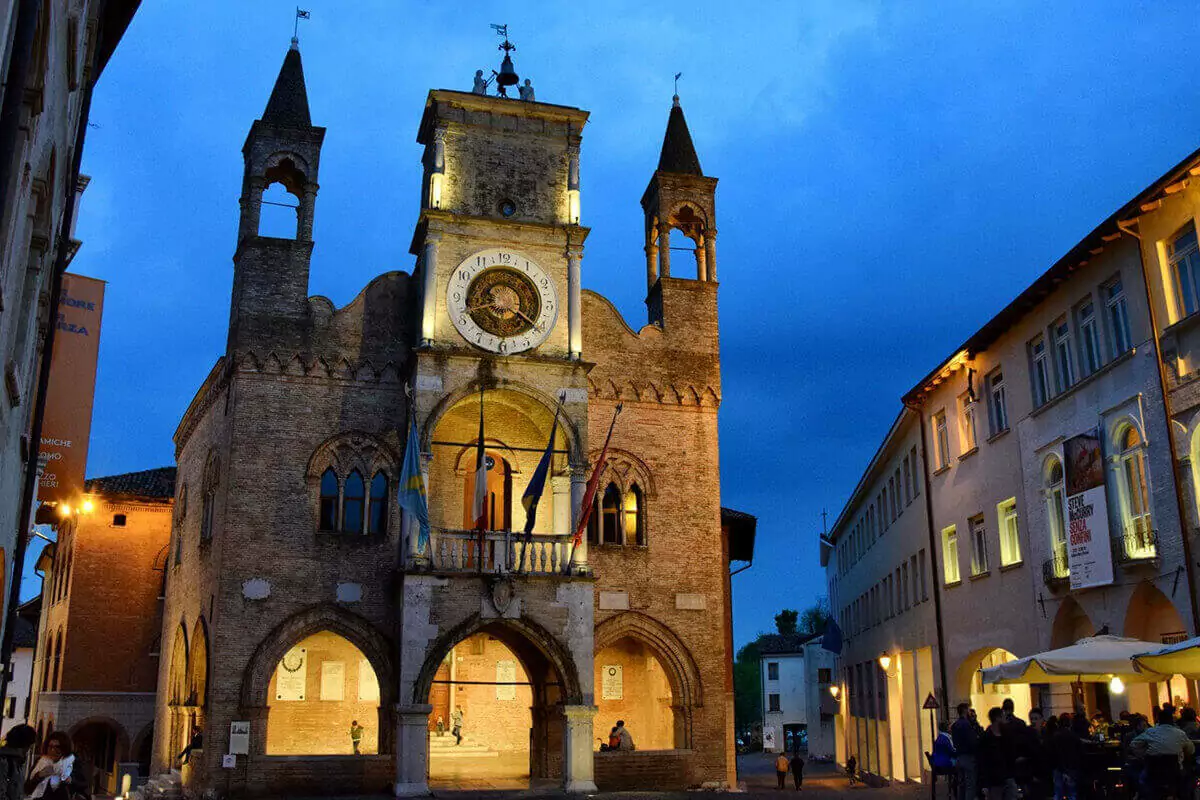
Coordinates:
[891,175]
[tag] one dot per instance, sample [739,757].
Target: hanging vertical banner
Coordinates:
[1089,552]
[62,453]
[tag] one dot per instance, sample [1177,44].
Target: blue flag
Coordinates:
[537,484]
[412,486]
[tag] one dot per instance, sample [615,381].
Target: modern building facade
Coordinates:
[299,599]
[797,707]
[879,568]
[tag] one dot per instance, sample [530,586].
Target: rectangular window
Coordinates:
[889,599]
[916,470]
[1010,542]
[1040,372]
[899,591]
[966,422]
[883,507]
[979,563]
[773,702]
[950,554]
[905,597]
[908,492]
[1089,336]
[772,671]
[1064,366]
[942,439]
[997,402]
[1183,255]
[924,576]
[824,675]
[915,585]
[896,495]
[892,493]
[1118,317]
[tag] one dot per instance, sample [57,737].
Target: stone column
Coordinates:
[412,750]
[651,261]
[701,268]
[561,485]
[251,203]
[578,765]
[306,212]
[429,287]
[664,251]
[710,247]
[578,489]
[574,317]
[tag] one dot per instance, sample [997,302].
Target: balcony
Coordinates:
[503,553]
[1137,546]
[1056,573]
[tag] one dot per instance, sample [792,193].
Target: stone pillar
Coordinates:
[412,750]
[701,269]
[578,764]
[429,287]
[251,203]
[578,488]
[574,317]
[664,251]
[651,262]
[305,213]
[710,247]
[561,485]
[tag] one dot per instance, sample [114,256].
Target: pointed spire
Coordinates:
[288,106]
[678,153]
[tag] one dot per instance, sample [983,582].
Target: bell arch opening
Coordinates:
[323,699]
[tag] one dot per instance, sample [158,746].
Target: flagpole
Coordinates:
[481,467]
[542,470]
[589,496]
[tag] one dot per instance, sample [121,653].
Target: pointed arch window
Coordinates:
[329,501]
[212,474]
[593,527]
[610,511]
[352,503]
[1055,505]
[377,516]
[635,522]
[1139,539]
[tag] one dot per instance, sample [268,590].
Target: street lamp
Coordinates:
[835,690]
[885,661]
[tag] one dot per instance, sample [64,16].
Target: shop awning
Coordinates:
[1096,659]
[1182,658]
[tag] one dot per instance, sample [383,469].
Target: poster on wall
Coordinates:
[292,674]
[506,676]
[368,684]
[333,680]
[612,682]
[1089,553]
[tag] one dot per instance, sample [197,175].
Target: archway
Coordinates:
[1071,623]
[101,744]
[1152,617]
[969,685]
[324,694]
[509,678]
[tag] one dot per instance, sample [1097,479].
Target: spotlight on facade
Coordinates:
[885,661]
[436,180]
[87,506]
[1116,685]
[835,690]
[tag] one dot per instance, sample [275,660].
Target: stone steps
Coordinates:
[444,747]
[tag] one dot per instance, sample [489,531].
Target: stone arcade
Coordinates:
[298,599]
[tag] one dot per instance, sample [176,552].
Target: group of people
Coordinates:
[56,775]
[1068,757]
[794,765]
[456,725]
[618,739]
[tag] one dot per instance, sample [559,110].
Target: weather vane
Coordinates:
[300,14]
[678,75]
[507,76]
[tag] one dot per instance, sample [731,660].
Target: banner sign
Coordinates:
[62,453]
[1089,552]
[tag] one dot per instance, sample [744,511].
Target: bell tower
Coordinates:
[679,198]
[270,274]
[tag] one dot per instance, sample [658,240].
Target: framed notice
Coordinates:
[368,684]
[506,676]
[1089,552]
[333,680]
[239,738]
[291,676]
[612,682]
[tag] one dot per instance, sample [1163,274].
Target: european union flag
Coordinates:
[537,484]
[412,486]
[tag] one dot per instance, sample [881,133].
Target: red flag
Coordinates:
[589,497]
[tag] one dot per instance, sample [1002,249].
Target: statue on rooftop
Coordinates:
[526,91]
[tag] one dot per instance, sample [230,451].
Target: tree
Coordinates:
[785,622]
[747,688]
[815,618]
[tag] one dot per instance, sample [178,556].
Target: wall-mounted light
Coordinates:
[1116,685]
[885,661]
[87,506]
[573,206]
[835,690]
[436,181]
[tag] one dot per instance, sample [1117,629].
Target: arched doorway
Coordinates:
[982,696]
[100,745]
[632,686]
[497,504]
[1071,623]
[510,679]
[324,694]
[1152,617]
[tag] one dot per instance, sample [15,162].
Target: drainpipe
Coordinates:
[936,578]
[24,514]
[1180,505]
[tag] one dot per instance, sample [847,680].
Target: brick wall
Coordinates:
[645,771]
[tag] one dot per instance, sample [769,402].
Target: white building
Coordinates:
[16,703]
[796,673]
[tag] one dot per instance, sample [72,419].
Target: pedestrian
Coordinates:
[852,769]
[456,725]
[614,739]
[797,765]
[965,735]
[195,743]
[54,776]
[356,733]
[1188,723]
[781,770]
[441,725]
[1067,754]
[14,756]
[624,740]
[996,760]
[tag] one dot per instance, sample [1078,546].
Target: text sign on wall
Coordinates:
[1089,553]
[291,675]
[612,682]
[333,680]
[239,738]
[506,677]
[62,452]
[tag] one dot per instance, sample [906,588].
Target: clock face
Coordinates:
[501,301]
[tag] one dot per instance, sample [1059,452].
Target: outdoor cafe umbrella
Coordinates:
[1097,659]
[1181,658]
